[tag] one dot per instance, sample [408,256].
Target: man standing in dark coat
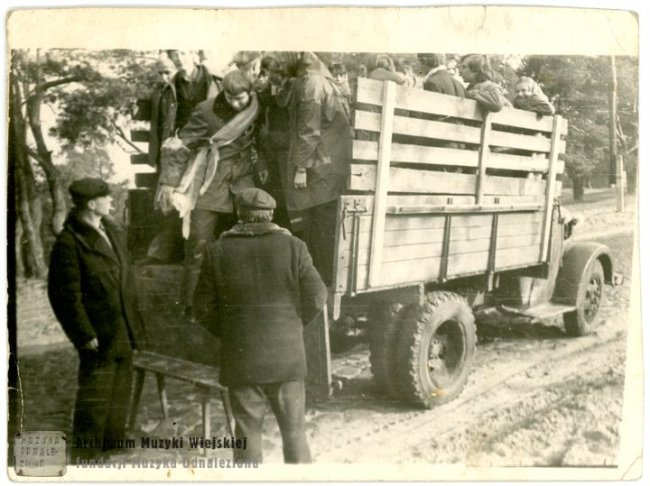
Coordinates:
[257,289]
[92,293]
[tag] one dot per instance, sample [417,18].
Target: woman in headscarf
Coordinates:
[319,152]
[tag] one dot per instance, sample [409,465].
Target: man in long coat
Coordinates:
[92,293]
[257,289]
[319,152]
[216,158]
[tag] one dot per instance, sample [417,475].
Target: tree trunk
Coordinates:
[578,188]
[19,255]
[28,203]
[44,159]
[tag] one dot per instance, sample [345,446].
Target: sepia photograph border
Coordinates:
[461,28]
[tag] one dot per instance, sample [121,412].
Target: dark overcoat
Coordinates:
[443,82]
[257,289]
[321,141]
[92,290]
[238,161]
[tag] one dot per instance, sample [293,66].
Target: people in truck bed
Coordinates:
[439,79]
[384,70]
[475,70]
[530,97]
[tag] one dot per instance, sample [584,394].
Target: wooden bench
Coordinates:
[204,378]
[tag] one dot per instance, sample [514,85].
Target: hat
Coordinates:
[88,188]
[255,198]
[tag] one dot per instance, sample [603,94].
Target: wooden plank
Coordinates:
[550,189]
[363,177]
[427,269]
[382,182]
[506,258]
[415,127]
[427,222]
[517,141]
[437,200]
[483,157]
[417,154]
[146,179]
[143,111]
[468,263]
[405,253]
[370,92]
[454,132]
[140,159]
[139,135]
[409,180]
[412,99]
[524,119]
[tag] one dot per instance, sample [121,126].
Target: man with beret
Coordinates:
[257,288]
[92,293]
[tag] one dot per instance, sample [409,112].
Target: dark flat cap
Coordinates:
[89,188]
[255,198]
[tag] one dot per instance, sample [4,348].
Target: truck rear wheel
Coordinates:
[385,323]
[590,295]
[435,349]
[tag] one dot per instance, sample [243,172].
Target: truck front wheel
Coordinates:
[435,349]
[590,295]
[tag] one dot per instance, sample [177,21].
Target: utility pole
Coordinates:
[612,125]
[615,161]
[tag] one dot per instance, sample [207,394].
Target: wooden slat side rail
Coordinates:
[420,238]
[412,99]
[425,270]
[140,159]
[453,132]
[382,180]
[457,246]
[362,178]
[550,189]
[139,135]
[472,208]
[371,92]
[398,200]
[442,156]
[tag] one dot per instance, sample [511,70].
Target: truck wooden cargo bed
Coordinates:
[439,190]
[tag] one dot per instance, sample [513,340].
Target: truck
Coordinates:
[448,211]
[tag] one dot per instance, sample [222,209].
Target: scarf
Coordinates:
[206,162]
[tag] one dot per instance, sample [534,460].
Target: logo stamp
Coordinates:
[40,453]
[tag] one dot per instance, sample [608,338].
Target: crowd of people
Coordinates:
[294,143]
[246,160]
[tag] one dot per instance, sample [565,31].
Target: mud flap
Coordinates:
[317,348]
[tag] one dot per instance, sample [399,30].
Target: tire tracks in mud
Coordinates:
[491,388]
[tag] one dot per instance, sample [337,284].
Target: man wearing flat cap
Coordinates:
[92,293]
[257,289]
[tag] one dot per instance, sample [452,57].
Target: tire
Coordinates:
[384,327]
[590,295]
[435,349]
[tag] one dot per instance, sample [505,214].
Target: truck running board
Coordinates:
[545,310]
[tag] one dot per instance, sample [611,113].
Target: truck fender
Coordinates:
[576,258]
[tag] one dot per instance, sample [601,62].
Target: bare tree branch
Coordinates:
[123,136]
[58,82]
